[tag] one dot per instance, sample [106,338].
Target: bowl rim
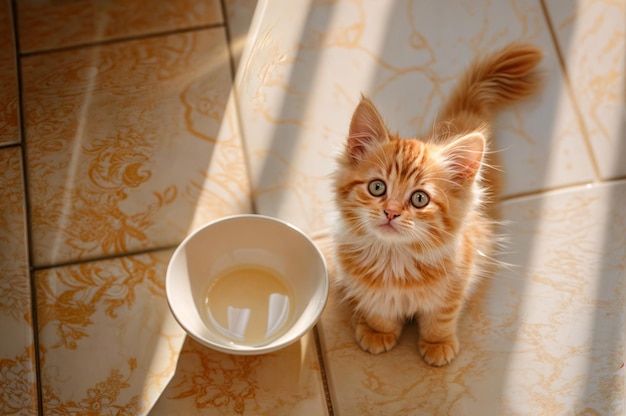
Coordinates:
[244,350]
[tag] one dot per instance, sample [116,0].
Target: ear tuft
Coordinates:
[465,155]
[366,129]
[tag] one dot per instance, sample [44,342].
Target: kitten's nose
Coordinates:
[392,210]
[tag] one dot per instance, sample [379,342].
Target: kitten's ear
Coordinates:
[366,129]
[465,155]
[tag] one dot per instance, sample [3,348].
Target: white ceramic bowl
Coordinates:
[252,240]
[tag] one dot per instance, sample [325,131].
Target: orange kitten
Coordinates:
[414,235]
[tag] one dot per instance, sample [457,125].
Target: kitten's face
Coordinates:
[405,191]
[401,192]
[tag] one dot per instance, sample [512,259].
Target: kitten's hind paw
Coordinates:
[439,353]
[376,342]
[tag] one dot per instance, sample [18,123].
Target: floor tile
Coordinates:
[130,145]
[18,392]
[302,77]
[592,37]
[51,24]
[108,342]
[9,122]
[544,336]
[285,382]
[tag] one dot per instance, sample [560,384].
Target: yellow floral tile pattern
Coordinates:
[545,336]
[285,382]
[9,125]
[130,145]
[108,342]
[592,38]
[17,358]
[51,24]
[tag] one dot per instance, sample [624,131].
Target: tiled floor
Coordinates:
[122,128]
[123,143]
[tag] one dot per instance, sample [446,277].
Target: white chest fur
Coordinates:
[401,289]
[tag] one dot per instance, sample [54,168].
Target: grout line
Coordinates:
[106,42]
[544,191]
[246,154]
[320,359]
[615,179]
[228,41]
[104,258]
[235,97]
[570,90]
[522,195]
[27,213]
[9,145]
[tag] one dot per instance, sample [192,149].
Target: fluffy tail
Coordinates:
[489,84]
[493,82]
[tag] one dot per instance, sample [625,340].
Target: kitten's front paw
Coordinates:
[373,341]
[439,353]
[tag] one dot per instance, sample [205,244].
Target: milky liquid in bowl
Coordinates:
[249,304]
[231,310]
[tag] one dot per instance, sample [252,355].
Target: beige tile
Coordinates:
[592,37]
[17,350]
[302,77]
[51,24]
[108,342]
[545,336]
[9,122]
[130,145]
[285,382]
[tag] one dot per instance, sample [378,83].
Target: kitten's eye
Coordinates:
[377,187]
[420,199]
